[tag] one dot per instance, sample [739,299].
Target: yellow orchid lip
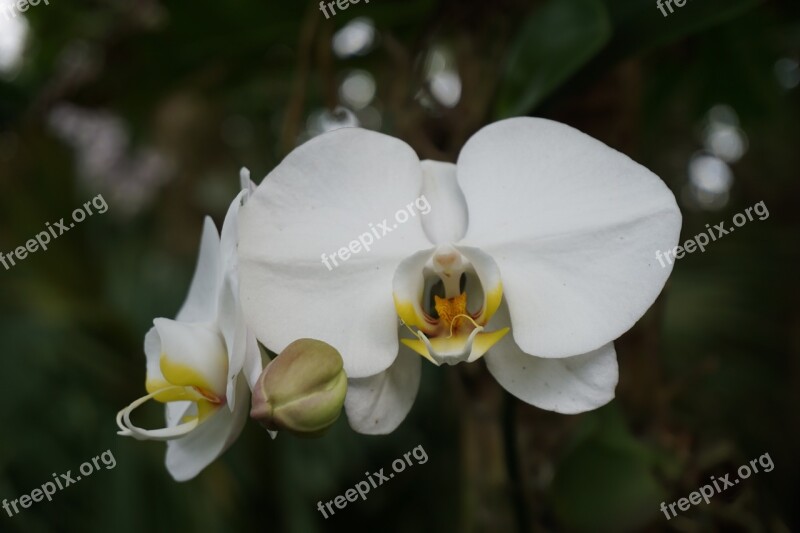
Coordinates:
[411,317]
[450,349]
[454,334]
[203,407]
[180,383]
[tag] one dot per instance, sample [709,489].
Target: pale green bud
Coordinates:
[302,390]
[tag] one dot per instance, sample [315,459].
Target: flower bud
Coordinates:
[302,390]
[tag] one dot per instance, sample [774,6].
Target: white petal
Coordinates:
[327,194]
[446,221]
[234,330]
[192,355]
[188,456]
[568,385]
[230,237]
[175,411]
[152,351]
[253,364]
[245,182]
[378,404]
[573,226]
[230,316]
[201,303]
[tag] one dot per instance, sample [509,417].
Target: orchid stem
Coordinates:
[486,498]
[512,462]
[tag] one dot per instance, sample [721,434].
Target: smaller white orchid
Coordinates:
[204,363]
[539,230]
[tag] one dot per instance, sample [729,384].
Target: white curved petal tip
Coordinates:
[378,404]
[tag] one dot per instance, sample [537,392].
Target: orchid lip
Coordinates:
[452,334]
[128,429]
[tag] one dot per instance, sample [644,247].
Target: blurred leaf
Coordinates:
[553,43]
[609,476]
[640,25]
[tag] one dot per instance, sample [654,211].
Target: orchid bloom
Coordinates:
[201,364]
[537,253]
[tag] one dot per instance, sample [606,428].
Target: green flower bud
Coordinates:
[302,390]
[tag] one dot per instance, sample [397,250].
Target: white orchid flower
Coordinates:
[201,363]
[539,230]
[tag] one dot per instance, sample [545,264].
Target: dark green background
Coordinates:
[709,378]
